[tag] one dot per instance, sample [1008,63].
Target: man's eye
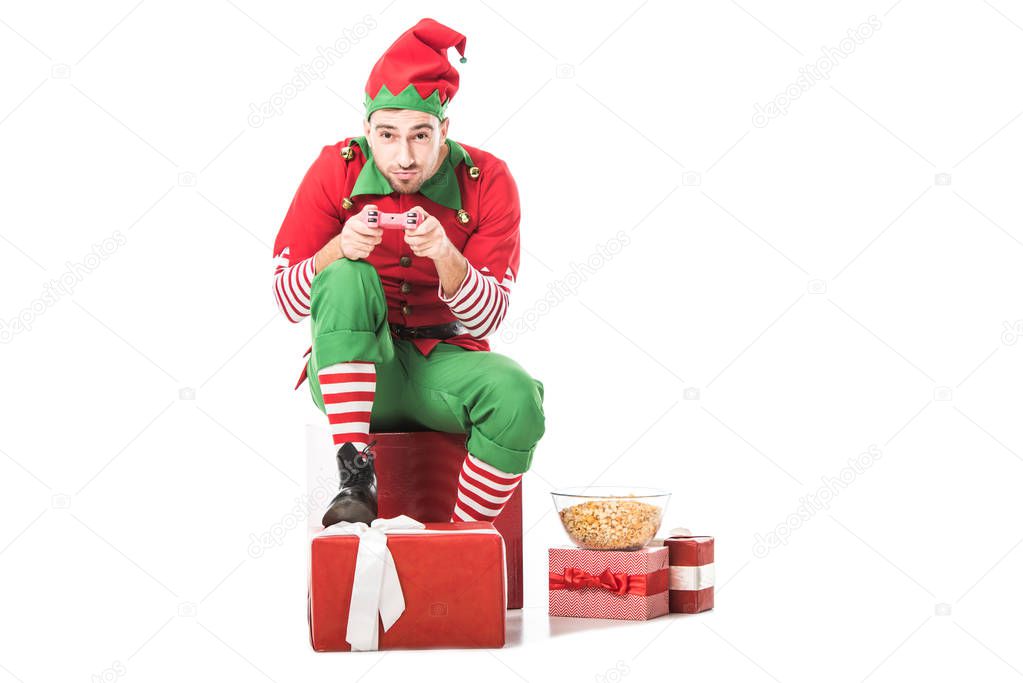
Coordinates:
[385,135]
[423,136]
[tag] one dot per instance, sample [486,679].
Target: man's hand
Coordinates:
[431,241]
[356,241]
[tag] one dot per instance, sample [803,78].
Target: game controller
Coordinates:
[392,221]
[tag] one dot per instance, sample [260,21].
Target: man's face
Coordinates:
[408,146]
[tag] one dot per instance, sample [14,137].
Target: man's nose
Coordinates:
[405,158]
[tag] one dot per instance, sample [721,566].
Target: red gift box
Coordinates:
[691,573]
[608,584]
[417,475]
[452,585]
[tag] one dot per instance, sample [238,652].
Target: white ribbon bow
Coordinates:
[679,531]
[375,588]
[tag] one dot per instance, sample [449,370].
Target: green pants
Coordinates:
[485,395]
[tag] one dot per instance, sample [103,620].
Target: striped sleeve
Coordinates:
[481,302]
[292,285]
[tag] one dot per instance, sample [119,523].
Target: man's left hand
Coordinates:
[429,239]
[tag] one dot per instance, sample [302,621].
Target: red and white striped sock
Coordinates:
[482,491]
[348,390]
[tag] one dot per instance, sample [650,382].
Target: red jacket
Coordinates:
[473,195]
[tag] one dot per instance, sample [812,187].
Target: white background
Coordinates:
[846,277]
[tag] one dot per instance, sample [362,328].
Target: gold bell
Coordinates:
[346,203]
[463,216]
[474,172]
[347,154]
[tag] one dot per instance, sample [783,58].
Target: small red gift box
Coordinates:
[691,573]
[608,584]
[407,585]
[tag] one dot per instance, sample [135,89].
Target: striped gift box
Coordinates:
[641,574]
[691,573]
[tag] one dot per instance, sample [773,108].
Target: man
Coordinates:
[400,316]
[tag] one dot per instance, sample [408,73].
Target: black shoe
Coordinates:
[357,499]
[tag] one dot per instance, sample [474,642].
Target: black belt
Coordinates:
[445,331]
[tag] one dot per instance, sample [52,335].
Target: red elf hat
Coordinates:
[414,73]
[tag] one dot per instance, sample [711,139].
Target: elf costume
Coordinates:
[389,351]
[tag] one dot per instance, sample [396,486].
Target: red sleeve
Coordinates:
[494,247]
[314,216]
[481,301]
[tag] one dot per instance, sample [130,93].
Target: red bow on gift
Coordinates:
[616,582]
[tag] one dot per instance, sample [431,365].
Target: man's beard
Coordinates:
[412,189]
[405,188]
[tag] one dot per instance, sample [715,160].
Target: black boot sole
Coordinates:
[349,510]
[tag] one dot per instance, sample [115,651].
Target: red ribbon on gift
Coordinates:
[616,582]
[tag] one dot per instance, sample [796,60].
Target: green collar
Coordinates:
[442,187]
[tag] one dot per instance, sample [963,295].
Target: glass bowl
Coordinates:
[611,517]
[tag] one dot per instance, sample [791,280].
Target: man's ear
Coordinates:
[444,129]
[365,130]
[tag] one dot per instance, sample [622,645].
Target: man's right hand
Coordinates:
[357,240]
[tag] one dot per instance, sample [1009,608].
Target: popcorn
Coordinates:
[611,524]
